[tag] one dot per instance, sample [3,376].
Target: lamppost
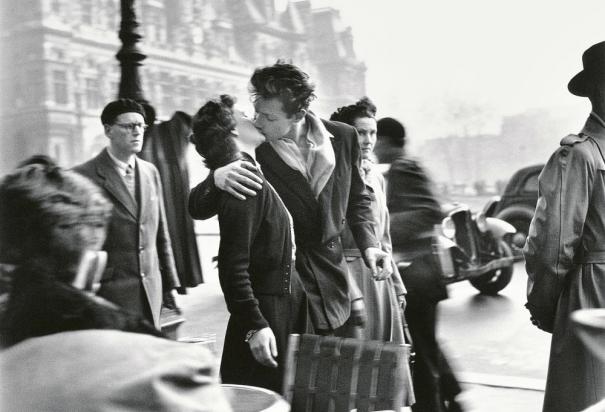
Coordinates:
[130,57]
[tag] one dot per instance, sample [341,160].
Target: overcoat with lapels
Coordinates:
[140,264]
[318,222]
[565,261]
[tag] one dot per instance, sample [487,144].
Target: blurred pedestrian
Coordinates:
[262,289]
[140,272]
[314,165]
[414,210]
[564,253]
[108,370]
[52,224]
[384,301]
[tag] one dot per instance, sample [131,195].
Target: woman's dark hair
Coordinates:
[37,197]
[347,114]
[213,126]
[286,82]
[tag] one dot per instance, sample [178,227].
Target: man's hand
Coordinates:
[238,179]
[402,302]
[264,348]
[358,313]
[379,263]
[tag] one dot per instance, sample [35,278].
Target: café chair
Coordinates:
[332,374]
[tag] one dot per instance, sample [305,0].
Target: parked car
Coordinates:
[470,246]
[517,205]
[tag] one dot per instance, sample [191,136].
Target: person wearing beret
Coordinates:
[140,270]
[564,252]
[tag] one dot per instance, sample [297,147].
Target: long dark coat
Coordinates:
[565,247]
[260,286]
[318,223]
[140,265]
[166,147]
[414,211]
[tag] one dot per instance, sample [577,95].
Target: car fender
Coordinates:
[498,227]
[490,206]
[517,212]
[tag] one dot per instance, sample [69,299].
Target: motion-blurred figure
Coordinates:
[52,224]
[414,211]
[564,253]
[108,370]
[166,145]
[383,300]
[140,270]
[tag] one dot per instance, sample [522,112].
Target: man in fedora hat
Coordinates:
[565,252]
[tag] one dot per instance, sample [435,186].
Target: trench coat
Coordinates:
[166,146]
[566,249]
[140,265]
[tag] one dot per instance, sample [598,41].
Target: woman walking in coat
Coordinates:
[262,289]
[565,252]
[383,300]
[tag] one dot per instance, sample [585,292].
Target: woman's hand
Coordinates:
[264,348]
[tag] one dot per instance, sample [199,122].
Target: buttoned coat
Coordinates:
[318,222]
[140,264]
[566,248]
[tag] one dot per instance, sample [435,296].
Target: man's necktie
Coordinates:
[129,180]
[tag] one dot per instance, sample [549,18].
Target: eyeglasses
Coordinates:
[131,126]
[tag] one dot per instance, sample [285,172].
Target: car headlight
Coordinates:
[481,222]
[448,227]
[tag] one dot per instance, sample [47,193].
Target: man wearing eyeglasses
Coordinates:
[140,270]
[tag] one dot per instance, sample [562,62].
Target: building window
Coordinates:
[86,10]
[92,94]
[60,86]
[168,98]
[56,6]
[57,149]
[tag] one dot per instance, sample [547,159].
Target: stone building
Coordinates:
[58,65]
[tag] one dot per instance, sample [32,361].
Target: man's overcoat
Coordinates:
[140,263]
[566,248]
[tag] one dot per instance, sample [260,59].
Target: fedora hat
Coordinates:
[593,61]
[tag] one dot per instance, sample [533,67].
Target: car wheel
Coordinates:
[493,282]
[517,240]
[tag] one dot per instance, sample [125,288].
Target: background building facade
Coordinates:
[58,65]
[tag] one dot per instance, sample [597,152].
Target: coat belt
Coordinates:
[593,256]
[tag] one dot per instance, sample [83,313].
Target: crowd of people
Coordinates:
[313,239]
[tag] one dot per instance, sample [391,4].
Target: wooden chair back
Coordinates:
[331,374]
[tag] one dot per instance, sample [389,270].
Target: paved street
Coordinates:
[492,335]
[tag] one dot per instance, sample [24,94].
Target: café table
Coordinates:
[243,398]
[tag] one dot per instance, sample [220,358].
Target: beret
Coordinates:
[117,107]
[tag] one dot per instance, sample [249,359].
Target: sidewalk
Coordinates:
[204,309]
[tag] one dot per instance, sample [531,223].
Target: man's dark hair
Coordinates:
[212,127]
[364,107]
[120,106]
[286,82]
[391,130]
